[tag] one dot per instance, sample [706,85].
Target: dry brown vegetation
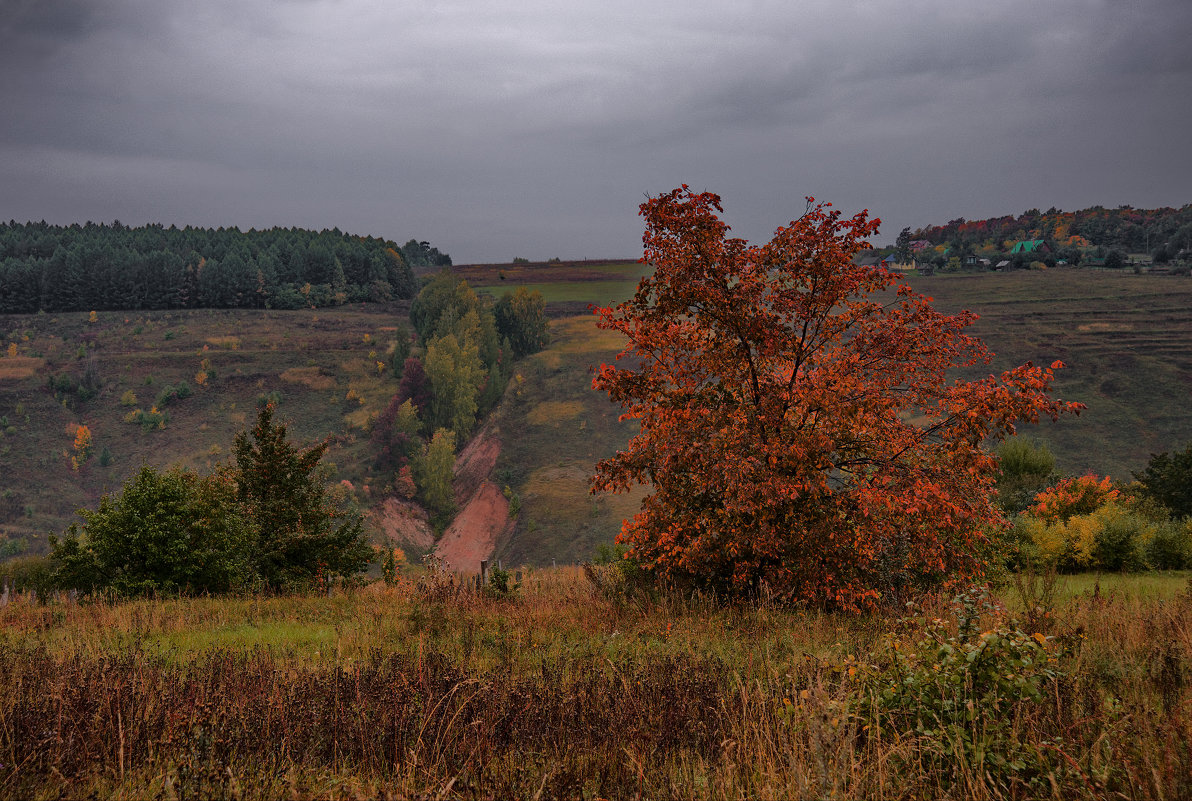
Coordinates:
[578,687]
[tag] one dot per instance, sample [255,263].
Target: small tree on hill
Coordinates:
[1168,480]
[521,318]
[799,428]
[433,473]
[303,532]
[1024,469]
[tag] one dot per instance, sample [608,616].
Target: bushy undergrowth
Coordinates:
[1088,524]
[431,689]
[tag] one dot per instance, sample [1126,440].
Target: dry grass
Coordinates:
[552,413]
[563,691]
[225,342]
[15,368]
[309,377]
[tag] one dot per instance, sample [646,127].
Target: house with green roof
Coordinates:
[1030,246]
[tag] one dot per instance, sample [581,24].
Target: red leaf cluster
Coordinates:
[800,429]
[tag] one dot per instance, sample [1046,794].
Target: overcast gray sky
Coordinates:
[534,128]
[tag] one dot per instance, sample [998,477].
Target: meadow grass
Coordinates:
[581,686]
[601,293]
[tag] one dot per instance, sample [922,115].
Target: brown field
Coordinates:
[583,687]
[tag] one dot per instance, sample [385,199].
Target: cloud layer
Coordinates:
[529,128]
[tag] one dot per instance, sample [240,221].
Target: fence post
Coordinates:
[483,573]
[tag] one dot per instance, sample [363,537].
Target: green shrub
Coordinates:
[10,547]
[958,695]
[273,398]
[1120,543]
[433,471]
[174,393]
[151,420]
[501,584]
[521,318]
[514,500]
[1168,480]
[616,577]
[165,532]
[269,520]
[1171,546]
[306,534]
[26,573]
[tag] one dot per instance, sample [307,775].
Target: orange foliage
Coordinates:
[82,446]
[1074,496]
[799,431]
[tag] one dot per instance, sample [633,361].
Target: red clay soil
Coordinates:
[475,464]
[473,534]
[403,522]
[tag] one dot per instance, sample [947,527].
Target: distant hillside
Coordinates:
[1123,336]
[89,267]
[1070,236]
[174,387]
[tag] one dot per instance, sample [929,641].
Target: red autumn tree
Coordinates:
[800,429]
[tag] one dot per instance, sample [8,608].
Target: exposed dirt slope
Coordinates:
[402,523]
[483,510]
[474,533]
[475,463]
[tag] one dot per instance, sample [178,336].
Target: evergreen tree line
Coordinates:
[98,267]
[453,370]
[1163,231]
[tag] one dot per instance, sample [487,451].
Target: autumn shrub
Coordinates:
[1074,496]
[1086,523]
[395,434]
[393,560]
[1110,537]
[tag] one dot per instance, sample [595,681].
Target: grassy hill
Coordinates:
[1124,337]
[321,366]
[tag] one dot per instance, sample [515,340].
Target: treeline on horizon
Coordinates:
[1162,232]
[94,266]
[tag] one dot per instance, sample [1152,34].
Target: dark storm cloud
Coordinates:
[534,127]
